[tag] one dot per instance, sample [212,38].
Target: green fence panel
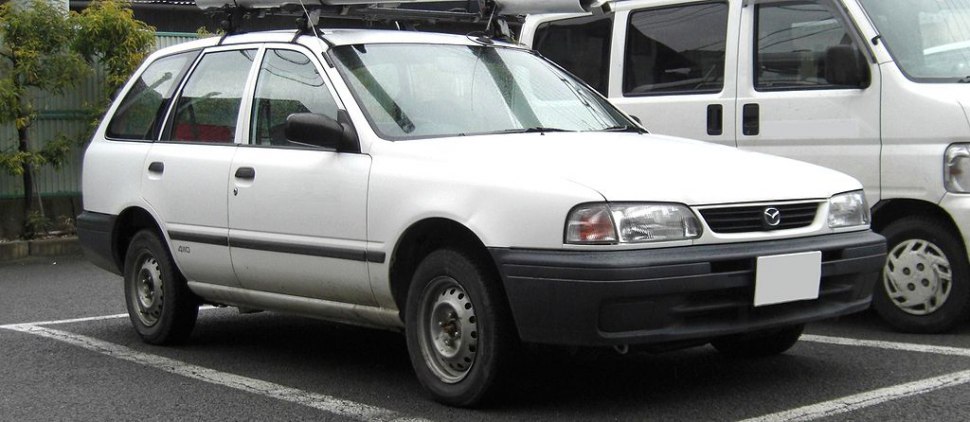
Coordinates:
[66,115]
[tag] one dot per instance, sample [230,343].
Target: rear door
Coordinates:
[186,173]
[808,90]
[297,213]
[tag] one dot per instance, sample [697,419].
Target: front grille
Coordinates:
[751,218]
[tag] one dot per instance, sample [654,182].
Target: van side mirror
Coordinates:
[846,66]
[322,131]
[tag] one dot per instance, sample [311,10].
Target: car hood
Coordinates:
[632,167]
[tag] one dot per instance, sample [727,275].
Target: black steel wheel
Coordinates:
[458,328]
[160,305]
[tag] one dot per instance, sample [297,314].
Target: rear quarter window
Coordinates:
[140,113]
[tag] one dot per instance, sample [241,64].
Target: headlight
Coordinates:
[848,209]
[957,168]
[630,223]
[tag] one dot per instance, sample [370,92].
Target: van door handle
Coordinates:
[715,119]
[246,173]
[751,120]
[156,167]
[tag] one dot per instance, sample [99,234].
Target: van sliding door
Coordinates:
[678,68]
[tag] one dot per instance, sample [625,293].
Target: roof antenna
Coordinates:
[309,22]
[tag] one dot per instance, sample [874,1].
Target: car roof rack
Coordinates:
[494,13]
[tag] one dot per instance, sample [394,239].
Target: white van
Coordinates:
[874,88]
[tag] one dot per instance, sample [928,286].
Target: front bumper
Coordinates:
[669,295]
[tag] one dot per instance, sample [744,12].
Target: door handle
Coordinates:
[750,120]
[246,173]
[715,119]
[156,167]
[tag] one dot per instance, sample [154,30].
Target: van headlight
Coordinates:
[591,224]
[848,209]
[956,166]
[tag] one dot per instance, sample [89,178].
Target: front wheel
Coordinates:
[924,286]
[759,344]
[458,328]
[160,305]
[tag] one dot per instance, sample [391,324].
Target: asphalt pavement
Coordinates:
[67,352]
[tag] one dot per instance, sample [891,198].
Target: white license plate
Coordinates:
[787,278]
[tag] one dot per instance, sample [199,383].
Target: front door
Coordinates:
[297,213]
[806,90]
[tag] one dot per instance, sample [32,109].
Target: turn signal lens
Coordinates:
[590,224]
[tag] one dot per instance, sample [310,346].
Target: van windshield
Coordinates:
[928,39]
[413,91]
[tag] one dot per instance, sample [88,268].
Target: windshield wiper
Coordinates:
[539,129]
[624,128]
[964,80]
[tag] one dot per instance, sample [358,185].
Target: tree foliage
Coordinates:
[109,33]
[45,50]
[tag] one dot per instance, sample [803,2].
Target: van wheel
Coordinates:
[924,286]
[160,305]
[458,329]
[759,344]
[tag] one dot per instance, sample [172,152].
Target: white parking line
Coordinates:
[867,399]
[363,412]
[889,345]
[333,405]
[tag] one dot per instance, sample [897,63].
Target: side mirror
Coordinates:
[846,66]
[322,131]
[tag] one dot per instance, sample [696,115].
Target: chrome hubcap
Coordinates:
[917,277]
[448,330]
[148,291]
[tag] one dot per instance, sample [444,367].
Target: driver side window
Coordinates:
[288,83]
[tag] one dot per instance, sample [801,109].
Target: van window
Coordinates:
[803,45]
[288,83]
[208,106]
[579,45]
[138,114]
[676,50]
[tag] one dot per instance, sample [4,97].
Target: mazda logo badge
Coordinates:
[771,217]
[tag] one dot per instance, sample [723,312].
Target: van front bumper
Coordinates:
[669,295]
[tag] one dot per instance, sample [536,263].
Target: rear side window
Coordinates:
[288,83]
[804,45]
[579,45]
[676,50]
[142,110]
[208,107]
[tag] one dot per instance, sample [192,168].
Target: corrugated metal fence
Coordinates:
[65,115]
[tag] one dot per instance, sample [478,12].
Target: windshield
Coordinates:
[929,39]
[413,91]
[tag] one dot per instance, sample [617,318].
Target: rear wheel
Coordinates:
[459,333]
[160,305]
[761,343]
[924,286]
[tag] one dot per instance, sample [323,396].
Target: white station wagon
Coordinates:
[464,191]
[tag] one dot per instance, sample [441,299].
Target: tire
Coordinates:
[925,284]
[459,332]
[160,305]
[759,344]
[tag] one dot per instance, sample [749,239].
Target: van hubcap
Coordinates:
[917,277]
